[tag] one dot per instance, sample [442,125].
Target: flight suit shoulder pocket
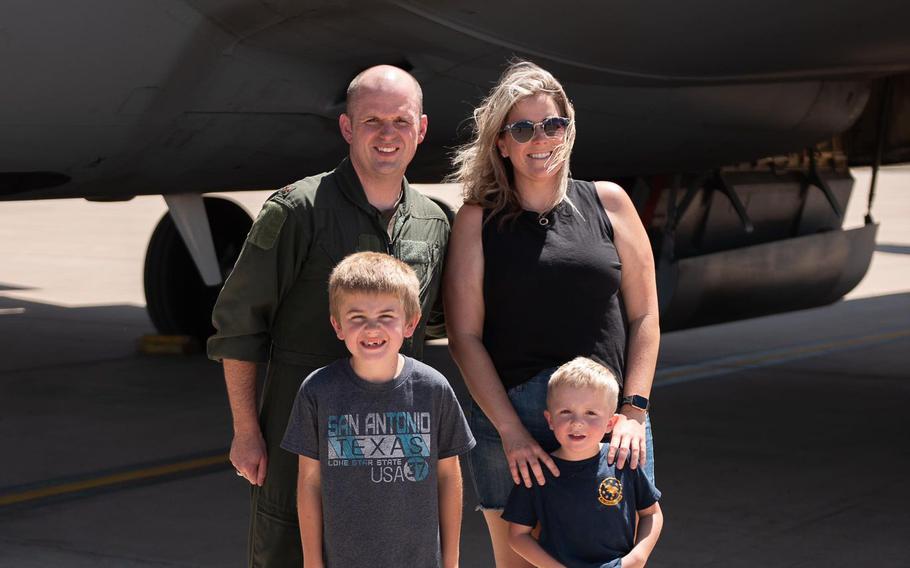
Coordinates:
[268,225]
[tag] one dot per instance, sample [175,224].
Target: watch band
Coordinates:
[637,401]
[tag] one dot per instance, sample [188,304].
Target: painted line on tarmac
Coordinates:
[108,479]
[725,365]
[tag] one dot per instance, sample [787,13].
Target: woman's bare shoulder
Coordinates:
[469,217]
[613,197]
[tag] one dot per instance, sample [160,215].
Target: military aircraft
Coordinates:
[731,124]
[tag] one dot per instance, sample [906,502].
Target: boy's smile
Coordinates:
[373,328]
[579,418]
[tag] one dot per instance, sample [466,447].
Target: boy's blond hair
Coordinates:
[375,273]
[582,372]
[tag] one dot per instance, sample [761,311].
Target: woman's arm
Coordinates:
[639,296]
[464,308]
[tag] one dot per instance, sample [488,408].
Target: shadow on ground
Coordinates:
[800,463]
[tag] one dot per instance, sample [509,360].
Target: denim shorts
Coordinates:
[487,462]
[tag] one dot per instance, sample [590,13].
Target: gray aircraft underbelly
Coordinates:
[107,100]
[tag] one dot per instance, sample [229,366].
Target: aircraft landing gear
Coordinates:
[177,299]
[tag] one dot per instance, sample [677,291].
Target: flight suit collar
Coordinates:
[353,190]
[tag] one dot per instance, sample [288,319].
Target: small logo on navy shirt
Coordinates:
[610,491]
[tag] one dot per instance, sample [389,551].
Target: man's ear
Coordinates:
[422,133]
[347,129]
[411,326]
[337,328]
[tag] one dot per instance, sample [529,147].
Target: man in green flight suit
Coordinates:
[274,306]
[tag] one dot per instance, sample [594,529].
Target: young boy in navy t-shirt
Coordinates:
[587,515]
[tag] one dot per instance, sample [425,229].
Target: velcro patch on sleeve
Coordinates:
[268,225]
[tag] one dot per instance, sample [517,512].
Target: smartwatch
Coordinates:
[637,401]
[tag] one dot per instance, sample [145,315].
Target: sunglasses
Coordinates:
[523,130]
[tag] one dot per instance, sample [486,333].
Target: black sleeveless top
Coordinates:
[551,290]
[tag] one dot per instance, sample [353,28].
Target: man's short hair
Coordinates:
[354,86]
[582,372]
[374,273]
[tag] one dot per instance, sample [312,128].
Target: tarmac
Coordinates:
[779,440]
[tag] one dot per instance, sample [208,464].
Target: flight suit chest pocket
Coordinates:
[419,255]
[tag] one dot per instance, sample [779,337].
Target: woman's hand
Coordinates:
[628,439]
[525,455]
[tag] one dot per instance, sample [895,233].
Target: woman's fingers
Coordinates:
[513,467]
[538,472]
[614,448]
[525,476]
[627,444]
[525,465]
[527,459]
[634,452]
[639,450]
[619,449]
[547,461]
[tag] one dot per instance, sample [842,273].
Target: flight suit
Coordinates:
[274,307]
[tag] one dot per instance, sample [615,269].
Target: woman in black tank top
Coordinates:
[541,269]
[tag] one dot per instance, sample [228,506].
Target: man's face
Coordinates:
[383,127]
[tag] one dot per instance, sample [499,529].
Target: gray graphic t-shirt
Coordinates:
[378,446]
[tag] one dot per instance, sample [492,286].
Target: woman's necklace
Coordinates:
[543,217]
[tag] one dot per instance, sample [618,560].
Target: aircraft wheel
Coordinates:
[177,300]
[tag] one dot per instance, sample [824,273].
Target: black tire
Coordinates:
[177,300]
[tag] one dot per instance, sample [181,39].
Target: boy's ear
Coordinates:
[336,327]
[411,326]
[612,422]
[546,414]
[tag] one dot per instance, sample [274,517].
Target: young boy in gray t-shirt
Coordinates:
[378,434]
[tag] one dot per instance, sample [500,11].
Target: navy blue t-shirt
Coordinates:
[587,514]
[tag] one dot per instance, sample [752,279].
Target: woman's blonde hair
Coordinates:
[486,177]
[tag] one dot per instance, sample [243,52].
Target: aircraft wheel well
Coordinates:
[177,300]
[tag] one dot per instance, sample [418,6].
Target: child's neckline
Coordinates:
[405,365]
[399,368]
[582,460]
